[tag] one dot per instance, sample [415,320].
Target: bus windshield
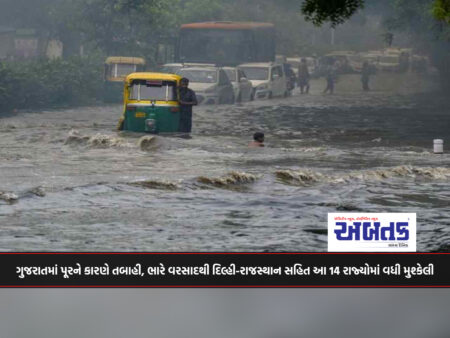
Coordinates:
[215,46]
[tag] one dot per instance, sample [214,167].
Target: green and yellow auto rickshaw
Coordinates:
[116,70]
[151,103]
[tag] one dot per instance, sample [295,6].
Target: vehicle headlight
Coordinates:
[210,90]
[261,87]
[150,124]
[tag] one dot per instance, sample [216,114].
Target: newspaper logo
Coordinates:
[372,232]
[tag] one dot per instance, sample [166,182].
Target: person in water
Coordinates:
[187,100]
[330,76]
[365,76]
[303,76]
[258,140]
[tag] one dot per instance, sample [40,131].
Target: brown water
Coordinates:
[69,181]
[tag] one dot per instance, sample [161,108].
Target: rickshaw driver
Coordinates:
[187,100]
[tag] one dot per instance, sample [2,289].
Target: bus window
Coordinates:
[229,43]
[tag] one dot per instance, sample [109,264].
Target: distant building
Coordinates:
[54,49]
[7,35]
[19,44]
[26,44]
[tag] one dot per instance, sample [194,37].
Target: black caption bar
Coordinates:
[224,270]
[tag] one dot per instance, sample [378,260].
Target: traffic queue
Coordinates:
[215,84]
[227,85]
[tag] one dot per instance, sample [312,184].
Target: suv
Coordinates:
[211,84]
[268,79]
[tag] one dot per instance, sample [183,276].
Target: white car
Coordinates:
[210,84]
[243,89]
[268,79]
[173,68]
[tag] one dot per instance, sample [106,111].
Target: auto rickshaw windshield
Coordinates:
[153,90]
[120,69]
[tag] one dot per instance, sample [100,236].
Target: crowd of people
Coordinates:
[330,74]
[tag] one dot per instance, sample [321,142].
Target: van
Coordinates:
[268,79]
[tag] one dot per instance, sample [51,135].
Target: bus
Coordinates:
[226,43]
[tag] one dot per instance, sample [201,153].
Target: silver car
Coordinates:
[211,84]
[243,89]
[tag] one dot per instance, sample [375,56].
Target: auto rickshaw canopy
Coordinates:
[124,59]
[152,76]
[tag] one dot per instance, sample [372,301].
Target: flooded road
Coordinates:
[69,181]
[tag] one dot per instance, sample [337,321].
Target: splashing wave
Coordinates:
[232,178]
[308,177]
[95,141]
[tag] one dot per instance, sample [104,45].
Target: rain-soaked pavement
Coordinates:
[69,181]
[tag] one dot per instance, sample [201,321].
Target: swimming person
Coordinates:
[258,140]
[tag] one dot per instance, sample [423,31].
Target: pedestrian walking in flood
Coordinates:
[187,100]
[303,76]
[331,78]
[258,140]
[365,76]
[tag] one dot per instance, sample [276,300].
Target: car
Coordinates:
[173,68]
[341,59]
[268,79]
[389,63]
[211,84]
[280,59]
[243,89]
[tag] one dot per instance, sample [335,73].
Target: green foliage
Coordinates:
[334,11]
[199,10]
[441,10]
[44,83]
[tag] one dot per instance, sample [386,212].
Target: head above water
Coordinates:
[258,137]
[184,82]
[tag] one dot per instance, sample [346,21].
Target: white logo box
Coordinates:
[371,232]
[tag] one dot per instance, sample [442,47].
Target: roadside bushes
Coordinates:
[50,83]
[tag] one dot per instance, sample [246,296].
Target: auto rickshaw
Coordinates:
[116,69]
[151,103]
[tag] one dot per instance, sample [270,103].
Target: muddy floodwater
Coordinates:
[70,181]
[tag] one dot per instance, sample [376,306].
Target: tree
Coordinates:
[335,12]
[441,10]
[338,11]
